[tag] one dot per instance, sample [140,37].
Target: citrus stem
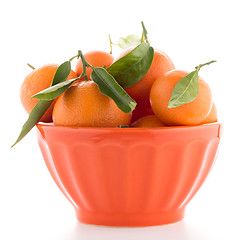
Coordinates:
[76,56]
[142,38]
[85,64]
[110,41]
[33,68]
[144,32]
[204,64]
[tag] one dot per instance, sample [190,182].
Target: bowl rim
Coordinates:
[127,129]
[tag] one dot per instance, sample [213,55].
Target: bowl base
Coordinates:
[130,220]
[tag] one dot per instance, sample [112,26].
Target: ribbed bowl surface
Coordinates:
[129,177]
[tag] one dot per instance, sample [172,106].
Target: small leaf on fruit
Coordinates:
[130,41]
[62,73]
[41,107]
[185,91]
[109,87]
[129,69]
[54,91]
[33,118]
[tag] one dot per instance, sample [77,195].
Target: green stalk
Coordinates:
[145,32]
[76,56]
[85,64]
[111,43]
[204,64]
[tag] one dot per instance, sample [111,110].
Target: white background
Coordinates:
[190,32]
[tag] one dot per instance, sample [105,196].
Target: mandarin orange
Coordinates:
[36,81]
[191,113]
[212,116]
[83,105]
[141,90]
[140,112]
[148,122]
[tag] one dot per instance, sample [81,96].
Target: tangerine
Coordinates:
[140,112]
[212,116]
[83,105]
[148,122]
[36,81]
[191,113]
[140,91]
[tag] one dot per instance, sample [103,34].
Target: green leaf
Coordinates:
[41,107]
[109,87]
[33,118]
[130,41]
[59,83]
[62,73]
[54,91]
[185,91]
[129,69]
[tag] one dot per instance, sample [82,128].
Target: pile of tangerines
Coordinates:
[83,105]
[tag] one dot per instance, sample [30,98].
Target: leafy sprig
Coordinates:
[41,107]
[129,69]
[131,40]
[110,81]
[186,89]
[106,84]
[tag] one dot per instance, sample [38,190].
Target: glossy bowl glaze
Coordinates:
[129,176]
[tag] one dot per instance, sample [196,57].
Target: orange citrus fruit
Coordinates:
[148,122]
[36,81]
[188,114]
[83,105]
[212,116]
[141,90]
[140,112]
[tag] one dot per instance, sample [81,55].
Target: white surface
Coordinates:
[190,32]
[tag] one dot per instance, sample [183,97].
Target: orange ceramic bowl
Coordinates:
[129,176]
